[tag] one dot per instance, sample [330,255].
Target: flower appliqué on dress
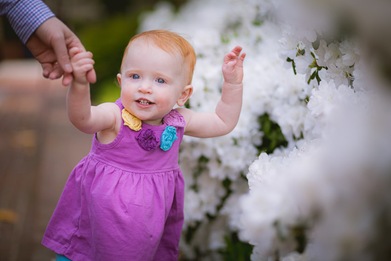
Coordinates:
[147,138]
[131,121]
[168,138]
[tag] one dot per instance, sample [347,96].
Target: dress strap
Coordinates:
[174,118]
[119,103]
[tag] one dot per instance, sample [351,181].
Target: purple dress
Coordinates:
[124,200]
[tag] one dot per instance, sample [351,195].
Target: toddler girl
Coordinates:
[124,200]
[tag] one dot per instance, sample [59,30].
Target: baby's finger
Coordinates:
[242,56]
[84,60]
[91,76]
[236,50]
[73,51]
[241,59]
[230,57]
[83,68]
[81,56]
[88,67]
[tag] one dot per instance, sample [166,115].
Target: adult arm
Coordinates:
[25,16]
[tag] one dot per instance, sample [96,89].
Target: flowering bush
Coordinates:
[305,175]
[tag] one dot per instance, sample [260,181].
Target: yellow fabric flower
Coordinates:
[131,121]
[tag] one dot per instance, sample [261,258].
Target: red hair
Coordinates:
[171,43]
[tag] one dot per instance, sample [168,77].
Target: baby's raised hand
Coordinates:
[82,62]
[233,66]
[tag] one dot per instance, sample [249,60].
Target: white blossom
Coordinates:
[330,182]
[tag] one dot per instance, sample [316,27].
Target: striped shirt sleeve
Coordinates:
[25,16]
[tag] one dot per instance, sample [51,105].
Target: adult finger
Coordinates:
[67,79]
[61,51]
[56,72]
[47,68]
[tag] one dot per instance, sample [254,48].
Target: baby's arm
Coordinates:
[86,118]
[227,112]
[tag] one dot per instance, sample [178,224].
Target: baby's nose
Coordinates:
[145,87]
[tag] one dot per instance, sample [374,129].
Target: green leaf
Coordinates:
[272,135]
[236,250]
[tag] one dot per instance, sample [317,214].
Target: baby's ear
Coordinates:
[119,79]
[186,93]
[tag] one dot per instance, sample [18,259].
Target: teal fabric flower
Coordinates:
[168,138]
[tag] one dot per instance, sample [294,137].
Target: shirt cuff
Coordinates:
[26,16]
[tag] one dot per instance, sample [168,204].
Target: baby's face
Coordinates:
[151,80]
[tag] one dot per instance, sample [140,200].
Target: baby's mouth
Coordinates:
[144,102]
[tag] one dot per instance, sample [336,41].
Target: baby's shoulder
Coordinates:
[112,113]
[111,107]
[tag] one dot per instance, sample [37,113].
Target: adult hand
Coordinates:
[50,45]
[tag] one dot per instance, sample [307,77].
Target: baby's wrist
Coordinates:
[79,81]
[233,85]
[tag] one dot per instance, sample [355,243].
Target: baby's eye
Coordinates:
[135,76]
[160,80]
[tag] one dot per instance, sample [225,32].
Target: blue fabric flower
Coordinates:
[168,138]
